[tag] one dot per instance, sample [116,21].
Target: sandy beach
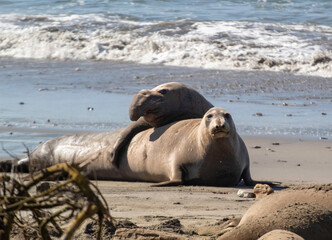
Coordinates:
[202,210]
[41,100]
[70,67]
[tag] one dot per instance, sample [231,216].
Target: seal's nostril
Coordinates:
[144,92]
[220,126]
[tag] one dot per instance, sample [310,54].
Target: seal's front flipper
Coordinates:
[168,183]
[124,138]
[250,182]
[247,177]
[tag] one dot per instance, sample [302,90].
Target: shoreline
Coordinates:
[65,131]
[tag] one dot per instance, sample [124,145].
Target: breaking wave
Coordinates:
[299,48]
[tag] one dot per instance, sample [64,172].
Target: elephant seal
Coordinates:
[305,211]
[159,106]
[205,151]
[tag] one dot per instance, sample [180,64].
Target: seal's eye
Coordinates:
[227,115]
[163,91]
[209,116]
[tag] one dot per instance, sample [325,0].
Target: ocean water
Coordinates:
[273,35]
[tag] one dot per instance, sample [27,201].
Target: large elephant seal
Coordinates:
[205,151]
[305,211]
[157,107]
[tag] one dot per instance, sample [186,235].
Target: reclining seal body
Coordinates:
[205,151]
[157,107]
[305,211]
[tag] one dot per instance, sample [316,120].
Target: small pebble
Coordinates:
[298,165]
[176,203]
[269,149]
[283,161]
[258,114]
[257,147]
[245,194]
[249,195]
[275,143]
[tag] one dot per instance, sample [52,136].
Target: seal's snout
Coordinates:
[219,127]
[143,103]
[136,109]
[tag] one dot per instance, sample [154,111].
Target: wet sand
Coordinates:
[41,99]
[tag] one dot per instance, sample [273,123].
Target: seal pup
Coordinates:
[305,211]
[205,151]
[166,103]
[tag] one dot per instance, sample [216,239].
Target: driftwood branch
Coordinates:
[45,213]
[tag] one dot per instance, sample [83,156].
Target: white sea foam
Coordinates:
[303,49]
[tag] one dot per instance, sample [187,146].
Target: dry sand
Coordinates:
[197,212]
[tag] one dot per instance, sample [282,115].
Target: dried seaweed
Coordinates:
[51,211]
